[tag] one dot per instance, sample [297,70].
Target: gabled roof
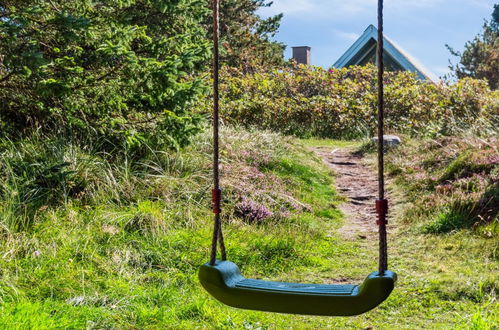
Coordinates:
[365,47]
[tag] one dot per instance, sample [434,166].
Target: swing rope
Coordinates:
[216,192]
[381,203]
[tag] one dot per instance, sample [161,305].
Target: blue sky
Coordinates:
[420,27]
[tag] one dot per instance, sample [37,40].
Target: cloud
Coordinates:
[441,70]
[290,7]
[351,36]
[341,8]
[317,7]
[482,3]
[413,3]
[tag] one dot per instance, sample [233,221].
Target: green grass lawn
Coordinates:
[116,262]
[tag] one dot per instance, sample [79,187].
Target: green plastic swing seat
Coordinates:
[225,282]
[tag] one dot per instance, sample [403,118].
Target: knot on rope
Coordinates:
[382,211]
[216,195]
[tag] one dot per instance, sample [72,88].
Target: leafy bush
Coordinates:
[310,101]
[118,70]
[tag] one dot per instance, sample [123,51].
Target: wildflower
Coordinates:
[252,211]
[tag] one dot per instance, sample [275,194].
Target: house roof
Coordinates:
[366,44]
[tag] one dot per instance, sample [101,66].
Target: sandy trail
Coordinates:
[357,182]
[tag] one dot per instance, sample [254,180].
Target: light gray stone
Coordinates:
[389,140]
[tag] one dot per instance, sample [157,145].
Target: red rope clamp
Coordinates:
[382,211]
[216,195]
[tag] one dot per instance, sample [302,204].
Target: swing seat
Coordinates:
[225,282]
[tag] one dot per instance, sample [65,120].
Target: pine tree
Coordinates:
[118,70]
[480,58]
[246,38]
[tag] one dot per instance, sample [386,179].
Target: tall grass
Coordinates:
[35,176]
[452,182]
[41,173]
[122,250]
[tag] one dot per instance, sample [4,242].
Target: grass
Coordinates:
[123,250]
[452,183]
[330,143]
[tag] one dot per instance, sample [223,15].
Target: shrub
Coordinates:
[310,101]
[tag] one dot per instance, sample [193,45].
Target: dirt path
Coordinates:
[357,182]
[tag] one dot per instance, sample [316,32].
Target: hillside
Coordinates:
[109,242]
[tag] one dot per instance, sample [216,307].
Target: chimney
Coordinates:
[302,54]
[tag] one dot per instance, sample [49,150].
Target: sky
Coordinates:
[420,27]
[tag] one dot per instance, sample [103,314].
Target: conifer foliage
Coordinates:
[480,58]
[246,37]
[118,70]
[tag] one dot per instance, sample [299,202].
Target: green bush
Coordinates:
[122,71]
[310,101]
